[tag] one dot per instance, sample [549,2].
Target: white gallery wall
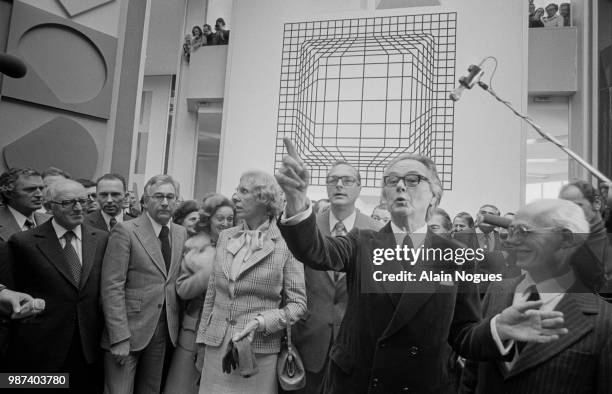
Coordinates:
[488,148]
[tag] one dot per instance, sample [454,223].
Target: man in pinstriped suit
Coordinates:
[544,235]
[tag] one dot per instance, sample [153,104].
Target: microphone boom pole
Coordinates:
[540,131]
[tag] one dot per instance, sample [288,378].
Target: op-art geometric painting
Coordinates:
[365,90]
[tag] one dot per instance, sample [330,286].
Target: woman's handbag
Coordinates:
[289,367]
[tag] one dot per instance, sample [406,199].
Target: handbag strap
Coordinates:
[289,344]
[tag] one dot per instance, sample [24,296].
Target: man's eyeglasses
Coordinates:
[346,180]
[92,196]
[161,197]
[521,231]
[71,203]
[411,180]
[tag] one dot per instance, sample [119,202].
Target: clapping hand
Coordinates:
[293,178]
[527,323]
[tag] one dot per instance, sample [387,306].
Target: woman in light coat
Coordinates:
[255,290]
[217,215]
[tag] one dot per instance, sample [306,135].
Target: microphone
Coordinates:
[497,221]
[12,66]
[475,72]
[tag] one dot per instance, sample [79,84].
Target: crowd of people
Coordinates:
[553,15]
[166,295]
[203,36]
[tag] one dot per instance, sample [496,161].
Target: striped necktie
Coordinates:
[339,229]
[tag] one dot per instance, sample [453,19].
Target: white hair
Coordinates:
[561,213]
[52,190]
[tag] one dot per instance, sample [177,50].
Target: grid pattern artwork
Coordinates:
[365,90]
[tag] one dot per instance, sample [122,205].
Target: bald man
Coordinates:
[545,235]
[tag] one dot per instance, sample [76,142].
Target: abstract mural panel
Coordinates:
[365,90]
[70,66]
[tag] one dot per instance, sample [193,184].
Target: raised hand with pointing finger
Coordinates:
[293,178]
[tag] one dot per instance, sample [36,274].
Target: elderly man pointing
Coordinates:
[396,337]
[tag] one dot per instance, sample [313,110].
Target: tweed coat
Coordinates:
[270,283]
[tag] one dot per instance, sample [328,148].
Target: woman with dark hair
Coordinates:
[198,39]
[187,215]
[256,290]
[217,215]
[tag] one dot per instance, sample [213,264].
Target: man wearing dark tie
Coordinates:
[22,195]
[396,336]
[138,292]
[110,194]
[314,334]
[60,262]
[545,234]
[494,261]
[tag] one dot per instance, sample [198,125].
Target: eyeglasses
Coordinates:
[92,196]
[411,180]
[521,231]
[161,197]
[70,203]
[346,180]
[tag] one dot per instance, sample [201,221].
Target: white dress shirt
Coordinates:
[76,242]
[20,218]
[417,236]
[107,218]
[157,228]
[349,221]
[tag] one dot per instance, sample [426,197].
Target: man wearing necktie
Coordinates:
[110,194]
[21,192]
[494,261]
[60,262]
[326,293]
[545,235]
[396,336]
[138,292]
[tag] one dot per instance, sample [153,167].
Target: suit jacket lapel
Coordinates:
[410,302]
[40,218]
[386,239]
[8,224]
[228,257]
[146,235]
[574,307]
[100,223]
[268,247]
[88,250]
[177,250]
[50,247]
[323,225]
